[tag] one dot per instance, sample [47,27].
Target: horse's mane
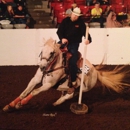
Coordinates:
[51,42]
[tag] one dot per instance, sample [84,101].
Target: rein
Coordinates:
[49,70]
[48,67]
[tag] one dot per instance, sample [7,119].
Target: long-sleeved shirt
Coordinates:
[73,31]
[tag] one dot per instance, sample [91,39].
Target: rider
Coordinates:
[71,31]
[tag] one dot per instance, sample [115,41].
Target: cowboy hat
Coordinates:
[77,11]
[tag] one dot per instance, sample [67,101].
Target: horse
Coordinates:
[51,70]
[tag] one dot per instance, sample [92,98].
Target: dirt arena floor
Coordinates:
[107,111]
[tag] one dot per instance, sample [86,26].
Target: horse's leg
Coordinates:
[89,82]
[65,96]
[35,92]
[47,82]
[35,80]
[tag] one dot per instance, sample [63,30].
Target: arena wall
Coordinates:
[23,46]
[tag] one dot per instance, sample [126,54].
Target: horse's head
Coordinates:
[49,52]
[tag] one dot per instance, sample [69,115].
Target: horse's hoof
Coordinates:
[18,105]
[8,108]
[63,98]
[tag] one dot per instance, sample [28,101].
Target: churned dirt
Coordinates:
[107,110]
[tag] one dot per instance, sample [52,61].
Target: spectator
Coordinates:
[0,7]
[9,2]
[20,2]
[104,2]
[111,21]
[92,3]
[127,21]
[3,6]
[21,15]
[96,13]
[69,11]
[107,9]
[88,2]
[9,14]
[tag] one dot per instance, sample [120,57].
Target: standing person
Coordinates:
[71,31]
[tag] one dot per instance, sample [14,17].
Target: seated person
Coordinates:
[111,21]
[69,11]
[88,2]
[3,7]
[20,2]
[9,14]
[104,2]
[92,3]
[107,9]
[127,21]
[9,2]
[96,13]
[21,15]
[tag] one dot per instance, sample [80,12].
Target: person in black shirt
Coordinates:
[71,31]
[104,2]
[21,15]
[92,3]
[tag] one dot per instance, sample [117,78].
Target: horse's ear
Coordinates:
[50,40]
[54,42]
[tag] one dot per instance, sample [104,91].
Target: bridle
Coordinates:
[52,54]
[50,62]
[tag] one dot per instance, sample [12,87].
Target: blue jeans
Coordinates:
[73,49]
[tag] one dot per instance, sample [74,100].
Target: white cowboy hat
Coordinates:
[77,11]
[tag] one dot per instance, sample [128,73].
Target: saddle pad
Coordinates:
[86,69]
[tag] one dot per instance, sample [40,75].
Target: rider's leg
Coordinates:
[73,68]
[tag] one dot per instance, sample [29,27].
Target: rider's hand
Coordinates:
[86,42]
[64,41]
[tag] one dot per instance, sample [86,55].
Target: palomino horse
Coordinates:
[52,69]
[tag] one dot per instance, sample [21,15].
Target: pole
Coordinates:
[83,67]
[80,108]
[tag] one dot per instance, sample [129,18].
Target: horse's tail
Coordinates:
[115,79]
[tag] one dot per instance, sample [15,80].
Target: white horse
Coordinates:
[52,69]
